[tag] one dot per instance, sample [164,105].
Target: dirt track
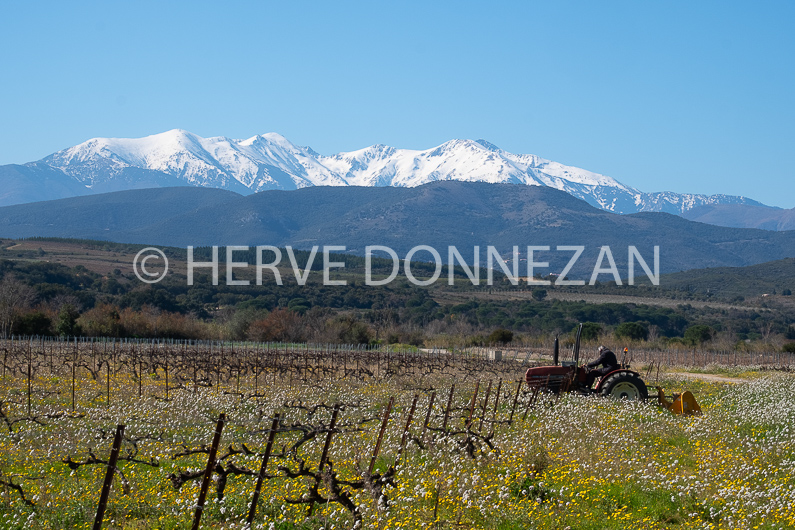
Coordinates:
[595,298]
[621,299]
[712,377]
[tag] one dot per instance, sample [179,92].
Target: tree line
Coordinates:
[40,298]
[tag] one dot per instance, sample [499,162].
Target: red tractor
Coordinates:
[569,376]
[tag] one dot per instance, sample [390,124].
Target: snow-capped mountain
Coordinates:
[270,161]
[258,163]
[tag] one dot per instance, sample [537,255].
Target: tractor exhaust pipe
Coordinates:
[577,346]
[556,352]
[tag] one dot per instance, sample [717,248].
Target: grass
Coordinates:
[740,372]
[576,462]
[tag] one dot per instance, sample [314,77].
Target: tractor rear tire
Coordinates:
[625,385]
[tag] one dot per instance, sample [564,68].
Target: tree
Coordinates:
[500,336]
[238,324]
[590,331]
[699,334]
[358,333]
[632,331]
[67,322]
[14,298]
[298,305]
[34,323]
[539,294]
[280,325]
[102,321]
[766,330]
[350,330]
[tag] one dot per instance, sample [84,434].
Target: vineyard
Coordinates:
[266,435]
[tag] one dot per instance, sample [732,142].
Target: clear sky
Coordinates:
[683,96]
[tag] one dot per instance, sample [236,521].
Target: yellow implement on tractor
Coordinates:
[684,403]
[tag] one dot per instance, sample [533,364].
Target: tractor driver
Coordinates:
[608,361]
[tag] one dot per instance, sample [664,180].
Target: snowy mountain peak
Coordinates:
[488,145]
[267,138]
[271,161]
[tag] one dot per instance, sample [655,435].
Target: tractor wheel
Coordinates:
[625,385]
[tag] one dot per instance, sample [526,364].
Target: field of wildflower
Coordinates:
[499,458]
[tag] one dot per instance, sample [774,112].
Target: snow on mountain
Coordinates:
[270,161]
[258,163]
[473,161]
[464,160]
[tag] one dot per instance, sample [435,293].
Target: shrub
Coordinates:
[101,321]
[280,325]
[359,333]
[789,347]
[298,305]
[698,334]
[590,331]
[476,340]
[35,323]
[632,331]
[67,321]
[500,336]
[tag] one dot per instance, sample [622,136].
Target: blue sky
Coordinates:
[682,96]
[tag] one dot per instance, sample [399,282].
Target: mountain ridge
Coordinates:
[270,161]
[439,214]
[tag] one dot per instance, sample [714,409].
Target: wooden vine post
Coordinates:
[404,438]
[208,472]
[447,410]
[261,475]
[114,457]
[515,401]
[324,454]
[428,415]
[472,405]
[485,404]
[377,448]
